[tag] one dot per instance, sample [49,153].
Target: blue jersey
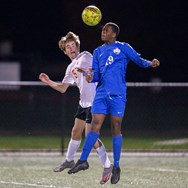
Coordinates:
[110,66]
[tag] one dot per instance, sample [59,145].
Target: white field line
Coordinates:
[123,154]
[173,142]
[30,184]
[166,170]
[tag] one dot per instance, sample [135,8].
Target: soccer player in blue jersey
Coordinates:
[109,69]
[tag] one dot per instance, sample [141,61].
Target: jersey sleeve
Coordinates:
[86,61]
[135,57]
[95,67]
[68,79]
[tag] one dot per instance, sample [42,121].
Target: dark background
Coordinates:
[154,28]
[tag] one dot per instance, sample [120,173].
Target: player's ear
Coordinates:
[114,35]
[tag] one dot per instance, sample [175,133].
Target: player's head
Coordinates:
[110,32]
[70,45]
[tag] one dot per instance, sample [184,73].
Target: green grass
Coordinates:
[30,142]
[136,172]
[54,142]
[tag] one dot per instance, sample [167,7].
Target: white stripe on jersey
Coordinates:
[87,90]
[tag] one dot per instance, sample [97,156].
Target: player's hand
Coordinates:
[155,63]
[89,77]
[44,77]
[88,73]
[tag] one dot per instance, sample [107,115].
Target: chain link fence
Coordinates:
[34,108]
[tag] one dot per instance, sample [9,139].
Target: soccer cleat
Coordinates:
[115,175]
[106,174]
[80,165]
[63,166]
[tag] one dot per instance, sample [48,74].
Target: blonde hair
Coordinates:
[69,37]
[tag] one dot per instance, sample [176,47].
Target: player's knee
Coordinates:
[95,128]
[76,134]
[116,129]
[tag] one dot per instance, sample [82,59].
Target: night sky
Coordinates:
[155,28]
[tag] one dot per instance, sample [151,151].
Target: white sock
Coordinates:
[72,149]
[101,151]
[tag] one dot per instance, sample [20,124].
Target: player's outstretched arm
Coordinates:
[61,87]
[155,63]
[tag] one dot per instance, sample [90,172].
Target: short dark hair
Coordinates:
[114,26]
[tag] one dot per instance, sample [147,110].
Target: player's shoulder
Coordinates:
[85,53]
[123,45]
[118,43]
[99,48]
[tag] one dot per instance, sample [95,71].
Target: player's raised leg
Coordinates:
[90,140]
[103,156]
[82,163]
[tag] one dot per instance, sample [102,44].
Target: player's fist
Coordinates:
[44,77]
[89,77]
[155,63]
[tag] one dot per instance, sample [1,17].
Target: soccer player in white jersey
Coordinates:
[70,45]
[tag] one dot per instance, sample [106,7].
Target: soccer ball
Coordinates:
[91,15]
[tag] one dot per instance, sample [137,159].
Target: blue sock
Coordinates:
[88,145]
[117,144]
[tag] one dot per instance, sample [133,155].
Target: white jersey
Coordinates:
[72,76]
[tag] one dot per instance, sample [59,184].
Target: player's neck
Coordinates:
[108,43]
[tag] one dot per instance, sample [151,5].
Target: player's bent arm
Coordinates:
[58,86]
[135,57]
[88,73]
[61,87]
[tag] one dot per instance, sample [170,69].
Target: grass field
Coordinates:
[164,169]
[152,171]
[129,143]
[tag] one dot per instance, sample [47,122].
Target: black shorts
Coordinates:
[84,114]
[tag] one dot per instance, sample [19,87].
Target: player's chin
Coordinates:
[103,38]
[73,55]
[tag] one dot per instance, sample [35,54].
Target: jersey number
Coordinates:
[74,73]
[110,60]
